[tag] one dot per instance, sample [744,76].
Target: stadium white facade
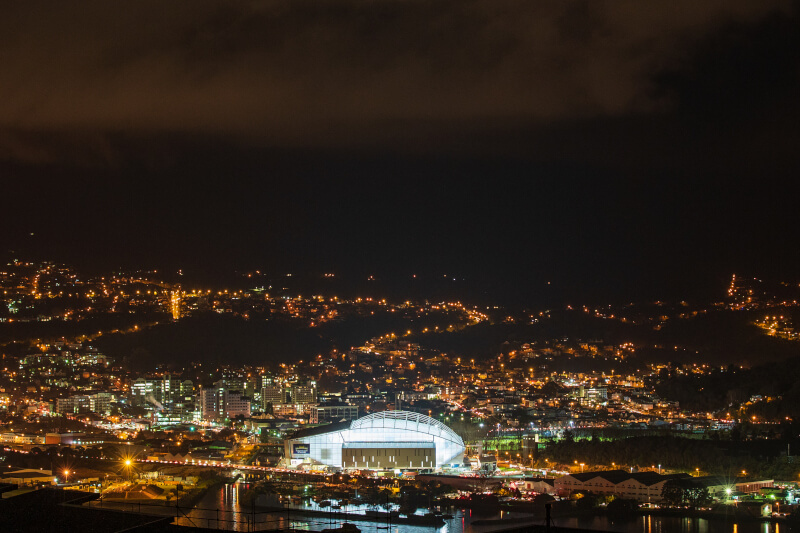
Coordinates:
[380,441]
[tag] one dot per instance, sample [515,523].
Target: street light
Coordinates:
[127,465]
[66,476]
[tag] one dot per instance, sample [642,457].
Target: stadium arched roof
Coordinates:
[409,421]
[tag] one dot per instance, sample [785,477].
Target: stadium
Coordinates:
[390,440]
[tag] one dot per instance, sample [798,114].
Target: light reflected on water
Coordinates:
[224,511]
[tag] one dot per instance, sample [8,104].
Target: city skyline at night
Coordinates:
[361,265]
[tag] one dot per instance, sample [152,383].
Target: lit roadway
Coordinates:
[204,464]
[232,466]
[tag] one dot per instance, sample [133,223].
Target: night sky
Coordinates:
[620,149]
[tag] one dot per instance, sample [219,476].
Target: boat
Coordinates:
[344,528]
[421,520]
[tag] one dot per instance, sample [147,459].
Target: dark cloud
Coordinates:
[344,71]
[599,143]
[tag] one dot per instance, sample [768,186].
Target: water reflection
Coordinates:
[221,509]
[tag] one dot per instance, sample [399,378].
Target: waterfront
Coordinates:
[671,524]
[222,508]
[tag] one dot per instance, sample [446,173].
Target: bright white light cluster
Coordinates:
[387,428]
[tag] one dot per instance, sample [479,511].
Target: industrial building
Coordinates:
[641,486]
[390,440]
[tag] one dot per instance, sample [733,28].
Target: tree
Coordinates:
[685,492]
[226,434]
[620,507]
[697,496]
[385,497]
[551,389]
[540,500]
[502,491]
[411,499]
[672,493]
[584,500]
[373,497]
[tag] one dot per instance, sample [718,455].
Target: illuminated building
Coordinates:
[333,413]
[175,304]
[99,403]
[388,440]
[303,394]
[145,391]
[273,394]
[219,402]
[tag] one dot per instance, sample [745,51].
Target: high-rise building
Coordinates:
[219,402]
[272,394]
[170,388]
[304,394]
[234,404]
[208,403]
[146,392]
[232,381]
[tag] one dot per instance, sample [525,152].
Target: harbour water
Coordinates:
[222,508]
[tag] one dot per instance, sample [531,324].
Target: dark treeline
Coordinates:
[265,340]
[29,332]
[777,383]
[718,337]
[761,458]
